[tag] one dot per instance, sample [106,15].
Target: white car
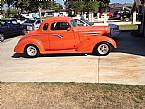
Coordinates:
[32,24]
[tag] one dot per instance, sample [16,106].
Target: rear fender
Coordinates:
[24,42]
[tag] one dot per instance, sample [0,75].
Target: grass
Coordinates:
[71,96]
[128,27]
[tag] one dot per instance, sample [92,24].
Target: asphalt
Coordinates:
[124,65]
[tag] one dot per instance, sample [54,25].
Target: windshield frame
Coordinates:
[73,23]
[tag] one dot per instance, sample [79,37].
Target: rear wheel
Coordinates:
[31,51]
[126,19]
[2,38]
[24,32]
[102,49]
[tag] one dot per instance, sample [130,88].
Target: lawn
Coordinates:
[128,27]
[71,96]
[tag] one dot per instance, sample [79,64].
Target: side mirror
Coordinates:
[68,29]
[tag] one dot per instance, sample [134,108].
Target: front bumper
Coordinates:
[114,32]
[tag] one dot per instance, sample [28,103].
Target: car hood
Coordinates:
[98,29]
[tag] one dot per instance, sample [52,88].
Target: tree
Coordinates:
[57,7]
[9,2]
[91,6]
[23,5]
[86,5]
[33,5]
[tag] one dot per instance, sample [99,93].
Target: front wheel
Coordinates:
[31,51]
[2,38]
[102,49]
[24,32]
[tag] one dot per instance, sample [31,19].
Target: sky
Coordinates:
[112,1]
[121,1]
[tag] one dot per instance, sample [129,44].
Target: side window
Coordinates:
[45,27]
[60,26]
[79,22]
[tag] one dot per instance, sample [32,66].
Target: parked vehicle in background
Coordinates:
[113,32]
[62,35]
[123,15]
[109,14]
[9,28]
[20,19]
[32,24]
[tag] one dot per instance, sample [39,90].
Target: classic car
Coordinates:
[62,35]
[9,28]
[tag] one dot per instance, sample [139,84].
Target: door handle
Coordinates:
[59,36]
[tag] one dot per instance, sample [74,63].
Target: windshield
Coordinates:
[73,23]
[30,21]
[86,21]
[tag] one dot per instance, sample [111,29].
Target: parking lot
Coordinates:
[124,65]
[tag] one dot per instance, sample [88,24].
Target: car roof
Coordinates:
[59,18]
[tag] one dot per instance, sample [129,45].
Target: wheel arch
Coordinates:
[96,45]
[31,45]
[38,45]
[20,47]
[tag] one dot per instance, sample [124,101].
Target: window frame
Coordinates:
[52,24]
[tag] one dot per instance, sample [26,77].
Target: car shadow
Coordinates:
[127,43]
[17,55]
[62,55]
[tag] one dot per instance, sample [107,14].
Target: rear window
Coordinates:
[45,27]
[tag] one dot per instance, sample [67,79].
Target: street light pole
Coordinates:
[40,14]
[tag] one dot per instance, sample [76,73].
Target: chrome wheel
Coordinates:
[2,38]
[31,51]
[24,32]
[103,49]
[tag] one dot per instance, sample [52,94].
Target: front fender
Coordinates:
[91,42]
[28,41]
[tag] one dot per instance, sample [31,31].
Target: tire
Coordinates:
[102,49]
[31,51]
[2,38]
[126,19]
[24,32]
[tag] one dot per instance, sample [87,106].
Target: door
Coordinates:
[15,27]
[61,36]
[12,27]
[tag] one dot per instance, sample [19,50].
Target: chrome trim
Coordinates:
[57,35]
[90,33]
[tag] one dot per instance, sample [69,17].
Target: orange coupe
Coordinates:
[62,35]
